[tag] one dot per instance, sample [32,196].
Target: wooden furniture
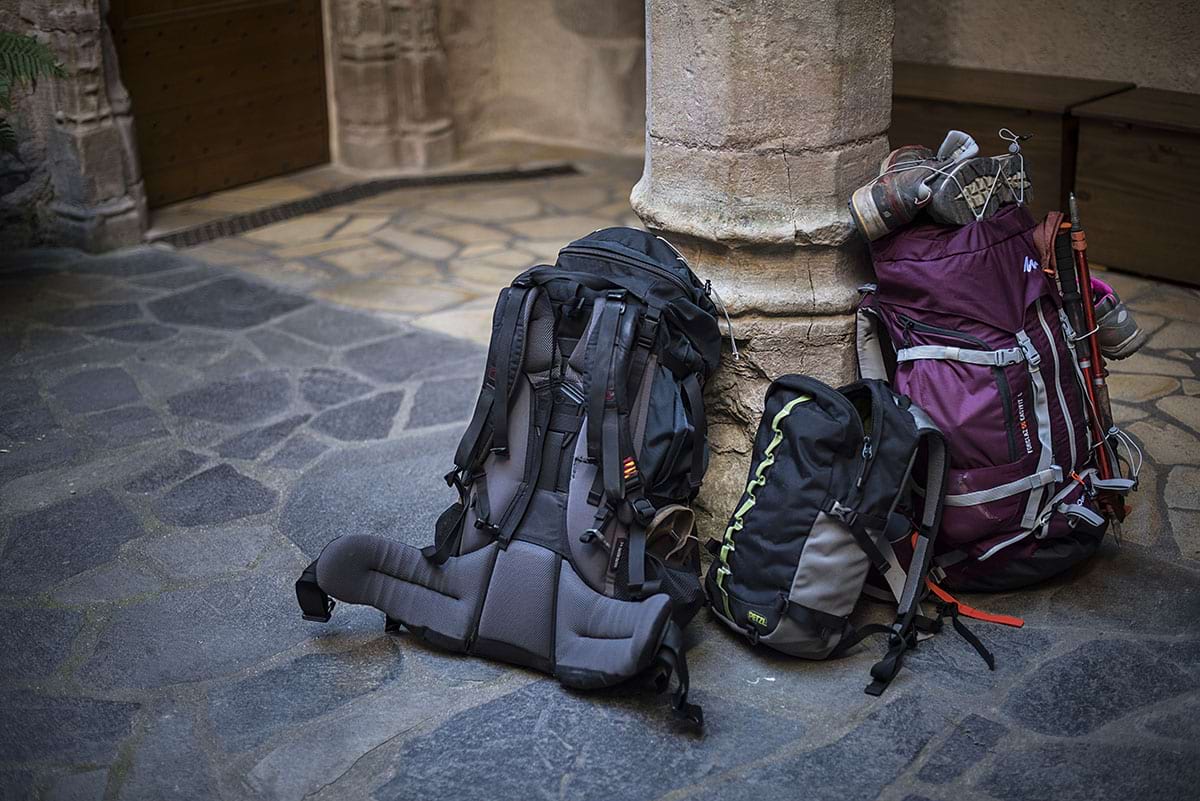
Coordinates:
[224,92]
[928,100]
[1139,168]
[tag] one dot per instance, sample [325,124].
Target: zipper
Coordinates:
[1062,399]
[997,372]
[867,455]
[644,264]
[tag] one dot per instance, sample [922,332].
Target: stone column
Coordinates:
[762,118]
[99,200]
[391,97]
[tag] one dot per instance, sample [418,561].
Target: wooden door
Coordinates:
[224,92]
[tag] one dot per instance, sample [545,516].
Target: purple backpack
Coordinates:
[965,322]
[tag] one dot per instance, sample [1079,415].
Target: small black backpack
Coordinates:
[832,499]
[571,547]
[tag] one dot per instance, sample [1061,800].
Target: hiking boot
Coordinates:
[1118,332]
[970,191]
[893,199]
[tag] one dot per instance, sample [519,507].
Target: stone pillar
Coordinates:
[762,118]
[99,200]
[391,97]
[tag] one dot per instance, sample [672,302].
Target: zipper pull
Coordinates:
[867,453]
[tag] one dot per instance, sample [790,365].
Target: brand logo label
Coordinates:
[1023,424]
[755,617]
[1031,264]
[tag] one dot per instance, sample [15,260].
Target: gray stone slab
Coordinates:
[972,740]
[63,729]
[361,420]
[858,765]
[42,342]
[190,349]
[284,350]
[16,783]
[204,553]
[118,580]
[203,633]
[448,401]
[177,279]
[64,539]
[138,260]
[392,488]
[1180,720]
[245,399]
[34,642]
[130,425]
[174,468]
[413,354]
[18,390]
[247,713]
[1094,684]
[297,452]
[217,495]
[88,785]
[1092,772]
[252,443]
[95,390]
[169,762]
[229,303]
[323,386]
[93,316]
[54,449]
[331,326]
[234,364]
[138,332]
[579,745]
[27,422]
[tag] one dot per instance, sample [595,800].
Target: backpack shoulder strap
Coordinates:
[868,334]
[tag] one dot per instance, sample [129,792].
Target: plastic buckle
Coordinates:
[643,510]
[329,605]
[843,513]
[1032,357]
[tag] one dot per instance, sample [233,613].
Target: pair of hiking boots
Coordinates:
[955,186]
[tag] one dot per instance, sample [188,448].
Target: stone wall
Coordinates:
[1149,42]
[25,188]
[79,133]
[563,71]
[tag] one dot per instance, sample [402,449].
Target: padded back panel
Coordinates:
[600,640]
[519,611]
[397,579]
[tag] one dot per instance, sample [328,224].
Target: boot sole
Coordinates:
[953,205]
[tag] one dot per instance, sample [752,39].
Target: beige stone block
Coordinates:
[307,228]
[426,247]
[360,225]
[290,274]
[369,260]
[1165,443]
[560,228]
[470,233]
[231,250]
[1191,386]
[576,199]
[1184,408]
[1123,414]
[469,321]
[1177,334]
[1183,488]
[482,278]
[1185,527]
[1143,363]
[319,247]
[400,296]
[482,249]
[1147,517]
[1134,388]
[1169,301]
[488,209]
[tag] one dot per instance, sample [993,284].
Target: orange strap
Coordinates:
[963,609]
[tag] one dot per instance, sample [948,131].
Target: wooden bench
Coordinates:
[928,100]
[1138,172]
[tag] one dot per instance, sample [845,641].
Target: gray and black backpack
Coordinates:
[845,493]
[571,548]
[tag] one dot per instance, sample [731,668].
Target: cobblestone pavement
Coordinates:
[178,436]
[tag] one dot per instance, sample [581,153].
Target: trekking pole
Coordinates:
[1095,372]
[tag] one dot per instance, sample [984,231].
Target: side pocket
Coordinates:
[832,568]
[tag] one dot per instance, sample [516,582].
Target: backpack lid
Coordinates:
[988,271]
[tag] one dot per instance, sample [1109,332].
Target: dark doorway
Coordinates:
[224,92]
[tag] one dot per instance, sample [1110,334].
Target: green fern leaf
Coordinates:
[24,59]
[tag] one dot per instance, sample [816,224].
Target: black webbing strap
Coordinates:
[672,660]
[857,524]
[504,368]
[695,400]
[447,534]
[508,308]
[599,367]
[314,603]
